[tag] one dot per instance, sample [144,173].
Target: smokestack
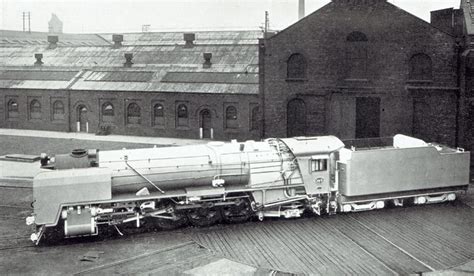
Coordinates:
[53,41]
[39,58]
[117,39]
[300,9]
[207,60]
[128,60]
[189,39]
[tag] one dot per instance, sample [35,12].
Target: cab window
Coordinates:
[319,165]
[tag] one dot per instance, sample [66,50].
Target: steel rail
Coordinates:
[394,245]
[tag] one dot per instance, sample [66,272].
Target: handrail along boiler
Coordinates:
[204,184]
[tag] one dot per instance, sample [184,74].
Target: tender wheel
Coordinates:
[238,213]
[203,217]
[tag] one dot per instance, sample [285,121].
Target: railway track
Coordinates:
[14,242]
[392,241]
[13,211]
[171,259]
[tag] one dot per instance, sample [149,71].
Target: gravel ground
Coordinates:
[37,145]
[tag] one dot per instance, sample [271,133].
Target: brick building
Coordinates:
[354,68]
[358,69]
[193,85]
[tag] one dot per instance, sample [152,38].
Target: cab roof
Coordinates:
[313,145]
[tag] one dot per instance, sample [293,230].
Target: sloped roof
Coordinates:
[213,77]
[161,65]
[157,81]
[53,75]
[201,38]
[25,39]
[227,48]
[122,76]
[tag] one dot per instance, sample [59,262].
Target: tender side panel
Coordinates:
[55,188]
[396,170]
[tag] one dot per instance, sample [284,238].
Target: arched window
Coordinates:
[133,114]
[12,108]
[255,118]
[108,109]
[356,55]
[231,117]
[296,67]
[108,112]
[182,114]
[35,109]
[357,37]
[420,67]
[158,115]
[58,110]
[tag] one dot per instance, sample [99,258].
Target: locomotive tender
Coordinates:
[204,184]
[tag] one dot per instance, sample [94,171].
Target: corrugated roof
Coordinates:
[37,75]
[228,55]
[160,64]
[17,38]
[207,88]
[122,76]
[213,77]
[201,38]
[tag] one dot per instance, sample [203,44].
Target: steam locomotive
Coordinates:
[232,182]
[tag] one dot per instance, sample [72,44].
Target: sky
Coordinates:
[108,16]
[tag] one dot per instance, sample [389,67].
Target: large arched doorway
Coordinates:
[205,123]
[82,123]
[296,118]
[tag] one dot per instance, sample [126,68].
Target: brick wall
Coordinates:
[93,101]
[24,120]
[434,116]
[393,37]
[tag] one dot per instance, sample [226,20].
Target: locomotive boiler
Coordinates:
[205,184]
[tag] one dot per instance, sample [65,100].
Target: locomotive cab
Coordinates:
[319,171]
[316,158]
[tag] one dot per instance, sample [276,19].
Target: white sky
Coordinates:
[94,16]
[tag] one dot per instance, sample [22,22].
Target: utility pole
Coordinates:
[29,22]
[24,17]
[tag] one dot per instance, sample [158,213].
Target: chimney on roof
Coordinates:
[128,60]
[38,61]
[55,25]
[300,9]
[53,41]
[117,39]
[189,39]
[207,60]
